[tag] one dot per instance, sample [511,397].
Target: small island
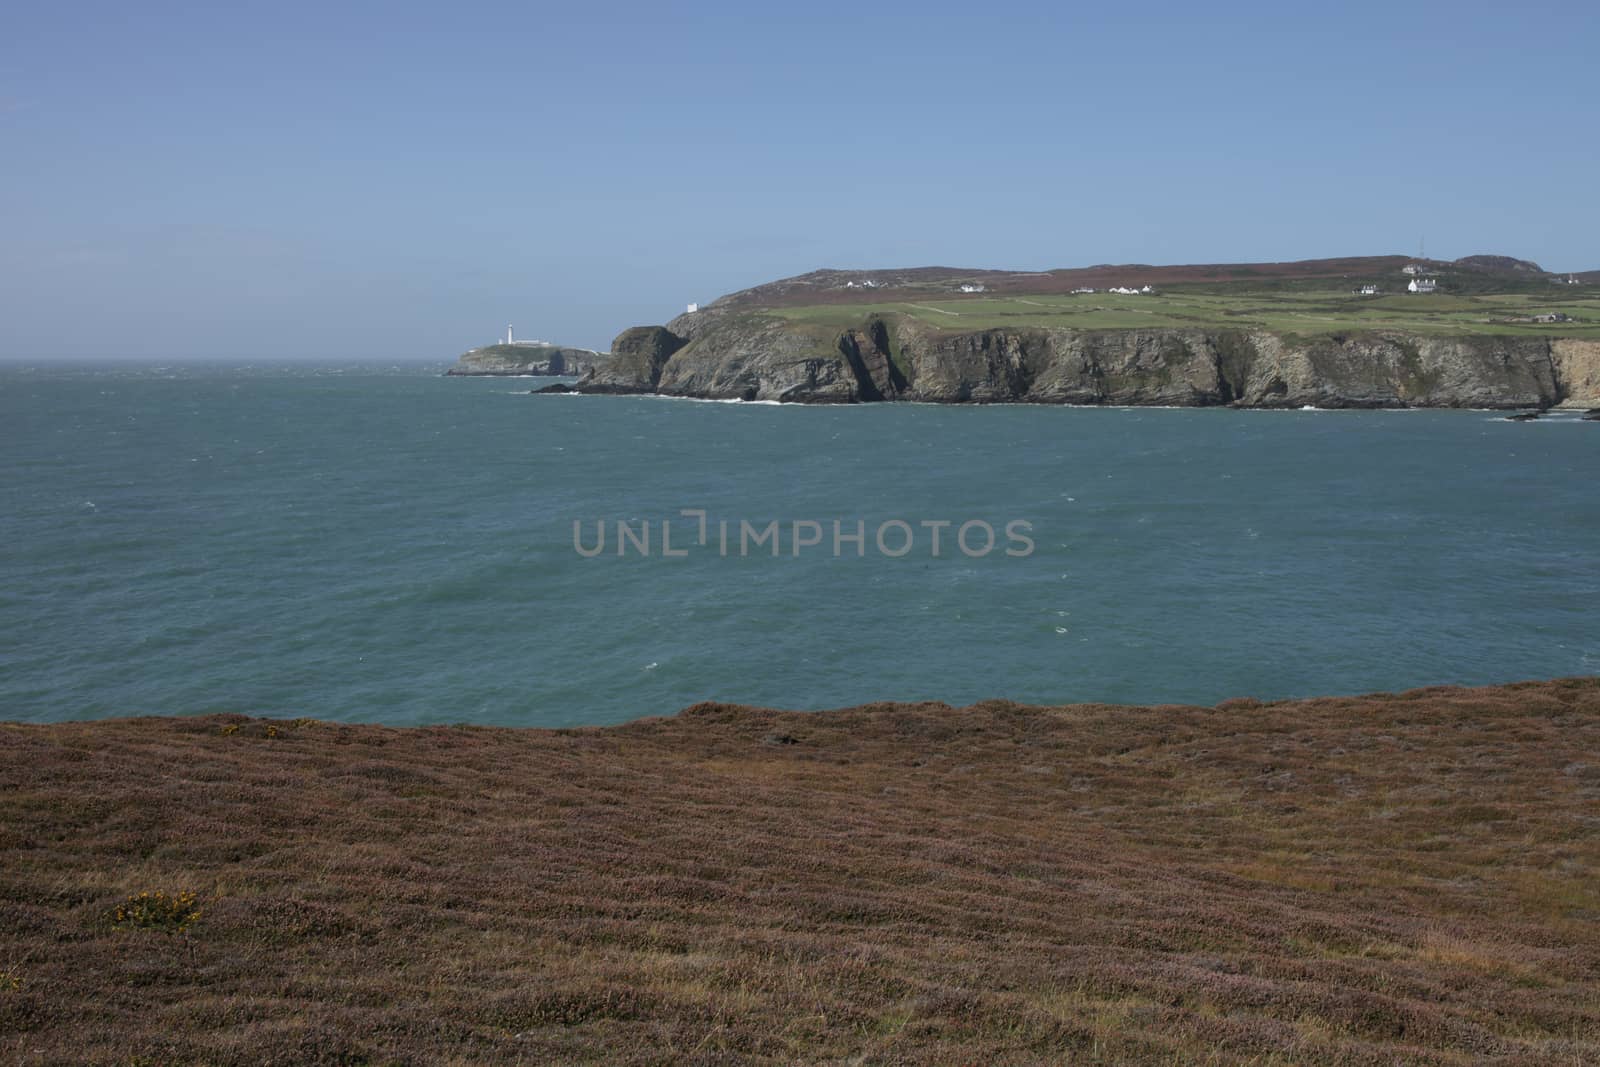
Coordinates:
[511,358]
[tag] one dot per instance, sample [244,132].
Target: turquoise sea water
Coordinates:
[384,544]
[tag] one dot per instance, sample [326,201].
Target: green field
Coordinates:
[1289,310]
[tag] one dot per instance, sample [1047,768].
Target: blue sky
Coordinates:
[398,181]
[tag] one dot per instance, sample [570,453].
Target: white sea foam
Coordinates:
[724,400]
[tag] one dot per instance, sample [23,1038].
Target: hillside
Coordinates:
[1481,273]
[1363,880]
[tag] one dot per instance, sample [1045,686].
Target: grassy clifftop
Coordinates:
[1298,311]
[1477,295]
[1356,880]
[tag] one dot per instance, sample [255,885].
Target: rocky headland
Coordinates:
[1251,335]
[887,357]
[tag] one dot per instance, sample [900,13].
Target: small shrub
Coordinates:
[171,914]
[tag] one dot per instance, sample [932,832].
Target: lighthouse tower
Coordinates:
[509,340]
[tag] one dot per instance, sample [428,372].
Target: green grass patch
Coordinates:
[1303,311]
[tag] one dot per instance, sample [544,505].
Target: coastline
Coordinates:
[1558,413]
[893,359]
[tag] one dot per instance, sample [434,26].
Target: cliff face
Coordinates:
[504,360]
[1577,366]
[767,357]
[761,358]
[637,356]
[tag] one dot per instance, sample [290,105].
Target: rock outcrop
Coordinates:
[516,360]
[763,356]
[634,366]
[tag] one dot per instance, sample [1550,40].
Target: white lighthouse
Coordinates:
[509,340]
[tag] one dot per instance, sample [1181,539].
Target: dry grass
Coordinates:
[1366,880]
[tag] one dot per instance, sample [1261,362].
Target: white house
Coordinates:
[1412,268]
[1367,290]
[1422,285]
[1081,290]
[972,289]
[691,309]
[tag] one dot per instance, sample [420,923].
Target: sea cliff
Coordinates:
[757,356]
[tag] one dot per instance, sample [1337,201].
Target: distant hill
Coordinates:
[832,286]
[1500,265]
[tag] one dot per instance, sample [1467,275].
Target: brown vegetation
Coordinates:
[1363,880]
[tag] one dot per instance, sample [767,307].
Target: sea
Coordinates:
[384,544]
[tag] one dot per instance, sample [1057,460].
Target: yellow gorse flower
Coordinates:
[158,910]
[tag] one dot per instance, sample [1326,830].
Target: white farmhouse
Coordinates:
[1422,285]
[691,309]
[972,289]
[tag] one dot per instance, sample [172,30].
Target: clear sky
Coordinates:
[399,181]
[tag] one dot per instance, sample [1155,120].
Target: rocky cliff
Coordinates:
[1577,366]
[756,356]
[634,366]
[521,359]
